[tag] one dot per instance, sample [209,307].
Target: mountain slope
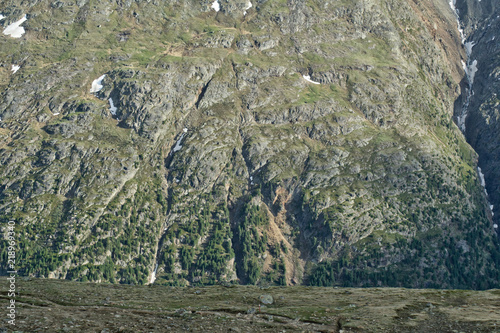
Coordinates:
[289,142]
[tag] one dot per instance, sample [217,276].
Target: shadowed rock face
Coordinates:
[481,22]
[217,159]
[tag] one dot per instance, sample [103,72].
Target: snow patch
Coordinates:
[481,177]
[153,275]
[178,145]
[468,48]
[1,17]
[470,67]
[452,4]
[15,30]
[249,5]
[495,226]
[112,107]
[483,184]
[55,114]
[461,121]
[308,79]
[97,84]
[462,36]
[15,68]
[185,130]
[215,5]
[471,72]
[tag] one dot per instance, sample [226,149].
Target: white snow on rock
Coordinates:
[1,17]
[55,114]
[97,84]
[483,184]
[153,276]
[15,30]
[15,68]
[112,107]
[468,48]
[461,31]
[461,122]
[470,68]
[185,130]
[495,226]
[481,177]
[215,5]
[308,79]
[452,4]
[249,5]
[178,145]
[471,72]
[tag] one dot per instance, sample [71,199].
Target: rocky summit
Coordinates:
[269,142]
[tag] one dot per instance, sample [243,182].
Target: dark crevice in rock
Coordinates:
[235,213]
[202,94]
[480,21]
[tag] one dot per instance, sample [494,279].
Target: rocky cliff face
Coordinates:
[481,24]
[284,142]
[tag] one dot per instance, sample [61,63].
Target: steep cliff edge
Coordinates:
[286,142]
[481,24]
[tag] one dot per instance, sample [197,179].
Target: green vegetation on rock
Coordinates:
[222,163]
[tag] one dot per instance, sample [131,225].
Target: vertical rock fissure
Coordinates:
[470,67]
[467,66]
[202,93]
